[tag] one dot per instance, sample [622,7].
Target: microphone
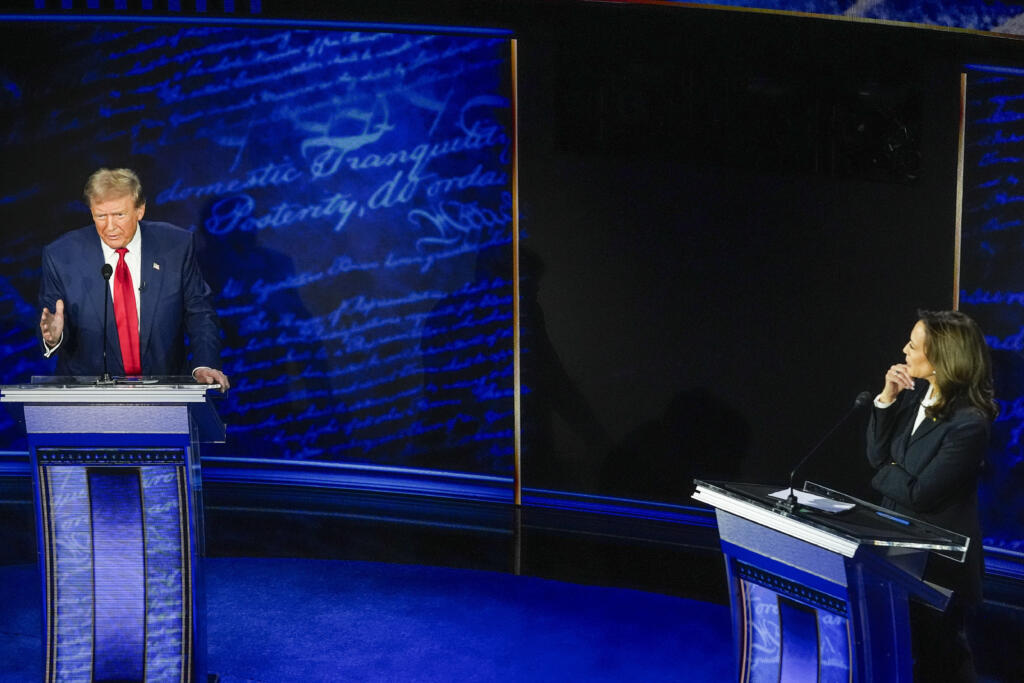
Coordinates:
[863,398]
[106,271]
[142,287]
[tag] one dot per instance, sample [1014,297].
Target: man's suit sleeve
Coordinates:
[51,288]
[953,466]
[200,315]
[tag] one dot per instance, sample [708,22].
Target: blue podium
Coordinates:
[823,596]
[119,521]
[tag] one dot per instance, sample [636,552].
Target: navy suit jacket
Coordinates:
[932,475]
[174,300]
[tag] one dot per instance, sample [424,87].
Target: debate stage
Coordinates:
[309,584]
[579,246]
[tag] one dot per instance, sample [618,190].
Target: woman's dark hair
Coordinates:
[956,348]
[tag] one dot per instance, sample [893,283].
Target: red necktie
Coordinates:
[127,316]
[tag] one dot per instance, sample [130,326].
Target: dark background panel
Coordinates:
[736,219]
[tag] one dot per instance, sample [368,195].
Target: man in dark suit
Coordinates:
[157,293]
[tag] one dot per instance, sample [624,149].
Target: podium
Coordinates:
[823,596]
[118,503]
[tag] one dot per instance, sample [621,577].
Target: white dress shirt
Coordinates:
[929,400]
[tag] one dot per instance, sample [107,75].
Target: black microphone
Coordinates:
[142,287]
[863,398]
[106,271]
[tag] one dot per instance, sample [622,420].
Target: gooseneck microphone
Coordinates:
[863,398]
[106,271]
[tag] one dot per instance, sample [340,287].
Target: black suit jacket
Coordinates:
[174,300]
[932,475]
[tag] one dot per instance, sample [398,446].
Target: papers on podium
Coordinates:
[814,501]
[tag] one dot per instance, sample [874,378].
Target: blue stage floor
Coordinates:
[386,588]
[329,620]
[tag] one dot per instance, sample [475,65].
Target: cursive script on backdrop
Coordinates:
[350,192]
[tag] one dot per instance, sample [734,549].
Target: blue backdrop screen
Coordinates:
[992,284]
[351,195]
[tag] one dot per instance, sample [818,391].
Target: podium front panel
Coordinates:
[791,605]
[106,419]
[782,639]
[822,596]
[116,551]
[120,527]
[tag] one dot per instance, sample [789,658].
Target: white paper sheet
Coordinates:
[817,502]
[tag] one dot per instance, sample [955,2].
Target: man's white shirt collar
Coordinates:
[134,250]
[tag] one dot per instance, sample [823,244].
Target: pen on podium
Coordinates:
[892,517]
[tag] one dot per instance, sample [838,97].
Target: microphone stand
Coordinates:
[790,502]
[107,271]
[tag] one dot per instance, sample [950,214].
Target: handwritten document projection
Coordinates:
[350,195]
[992,280]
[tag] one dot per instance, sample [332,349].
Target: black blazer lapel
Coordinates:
[925,428]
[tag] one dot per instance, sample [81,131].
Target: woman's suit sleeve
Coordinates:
[882,426]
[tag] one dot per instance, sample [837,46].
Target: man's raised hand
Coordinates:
[52,324]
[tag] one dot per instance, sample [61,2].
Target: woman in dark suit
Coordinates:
[927,439]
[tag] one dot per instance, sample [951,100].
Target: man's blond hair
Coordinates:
[109,183]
